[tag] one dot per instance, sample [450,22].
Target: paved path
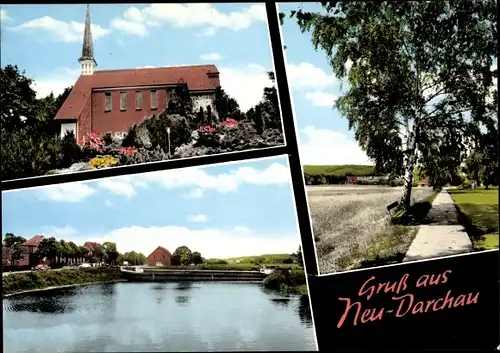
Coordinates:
[440,234]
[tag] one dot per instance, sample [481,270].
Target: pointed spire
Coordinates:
[88,46]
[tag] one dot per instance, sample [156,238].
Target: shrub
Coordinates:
[91,144]
[143,155]
[157,125]
[284,280]
[103,162]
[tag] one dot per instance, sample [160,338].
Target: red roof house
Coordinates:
[160,257]
[113,100]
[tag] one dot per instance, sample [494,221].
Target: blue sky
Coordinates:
[46,41]
[227,210]
[323,134]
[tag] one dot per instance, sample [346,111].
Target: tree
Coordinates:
[297,257]
[182,256]
[48,248]
[226,106]
[266,114]
[196,258]
[17,98]
[420,75]
[110,251]
[15,245]
[180,101]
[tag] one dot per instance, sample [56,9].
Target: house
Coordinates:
[112,100]
[30,258]
[94,249]
[160,257]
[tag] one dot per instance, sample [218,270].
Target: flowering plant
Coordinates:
[206,129]
[127,151]
[228,123]
[92,142]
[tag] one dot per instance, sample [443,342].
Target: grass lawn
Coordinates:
[479,214]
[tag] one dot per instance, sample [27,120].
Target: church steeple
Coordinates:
[87,61]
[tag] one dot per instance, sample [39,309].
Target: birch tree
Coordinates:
[417,76]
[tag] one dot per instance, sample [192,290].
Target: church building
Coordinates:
[104,101]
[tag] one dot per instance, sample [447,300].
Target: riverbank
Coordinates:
[24,282]
[287,282]
[18,283]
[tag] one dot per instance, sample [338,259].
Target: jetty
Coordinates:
[145,274]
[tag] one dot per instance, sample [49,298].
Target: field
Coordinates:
[340,170]
[478,210]
[352,227]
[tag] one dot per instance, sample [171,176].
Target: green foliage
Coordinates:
[48,247]
[133,258]
[284,280]
[157,125]
[180,102]
[17,282]
[417,67]
[297,257]
[182,256]
[226,106]
[14,244]
[266,114]
[29,143]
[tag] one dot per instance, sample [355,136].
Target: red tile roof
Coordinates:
[91,245]
[196,77]
[162,249]
[35,241]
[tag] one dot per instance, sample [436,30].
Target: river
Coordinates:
[157,317]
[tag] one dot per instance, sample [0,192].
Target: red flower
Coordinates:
[127,151]
[206,129]
[92,141]
[228,123]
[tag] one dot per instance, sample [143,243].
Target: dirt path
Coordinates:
[441,234]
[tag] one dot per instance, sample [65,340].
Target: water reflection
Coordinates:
[138,317]
[182,300]
[281,301]
[48,302]
[304,310]
[184,285]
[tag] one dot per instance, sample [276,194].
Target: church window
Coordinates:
[108,101]
[154,99]
[123,100]
[138,100]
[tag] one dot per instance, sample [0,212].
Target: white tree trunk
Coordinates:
[409,165]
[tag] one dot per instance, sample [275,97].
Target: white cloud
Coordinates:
[323,146]
[208,32]
[194,194]
[60,232]
[71,192]
[211,57]
[211,243]
[70,31]
[198,179]
[4,16]
[138,21]
[55,82]
[198,218]
[245,84]
[306,75]
[321,99]
[117,186]
[241,229]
